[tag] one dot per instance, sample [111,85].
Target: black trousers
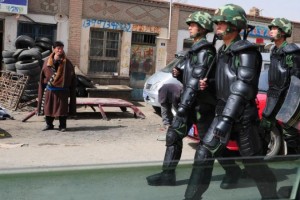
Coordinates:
[62,121]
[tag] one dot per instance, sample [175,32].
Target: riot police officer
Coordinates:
[237,72]
[195,107]
[285,62]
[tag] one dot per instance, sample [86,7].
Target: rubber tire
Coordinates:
[46,53]
[81,91]
[31,92]
[7,54]
[9,60]
[24,41]
[44,46]
[32,85]
[29,72]
[34,79]
[17,53]
[37,48]
[10,67]
[25,65]
[44,39]
[276,141]
[31,53]
[84,81]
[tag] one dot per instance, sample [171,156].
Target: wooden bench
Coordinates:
[109,102]
[110,91]
[100,103]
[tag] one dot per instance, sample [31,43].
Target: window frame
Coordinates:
[104,56]
[143,35]
[36,28]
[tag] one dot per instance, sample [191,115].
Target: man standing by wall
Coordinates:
[57,84]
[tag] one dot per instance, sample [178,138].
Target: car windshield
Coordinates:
[263,81]
[170,66]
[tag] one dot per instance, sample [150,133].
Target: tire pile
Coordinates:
[83,82]
[28,59]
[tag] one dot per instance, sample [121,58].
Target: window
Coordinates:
[104,51]
[142,38]
[37,30]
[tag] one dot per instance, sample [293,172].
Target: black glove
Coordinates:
[266,124]
[223,128]
[179,125]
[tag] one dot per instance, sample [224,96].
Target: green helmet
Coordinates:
[232,14]
[203,19]
[282,23]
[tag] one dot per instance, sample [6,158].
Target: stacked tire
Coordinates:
[28,59]
[8,60]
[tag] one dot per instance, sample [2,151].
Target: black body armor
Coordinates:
[237,74]
[280,76]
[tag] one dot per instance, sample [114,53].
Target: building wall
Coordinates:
[146,13]
[11,25]
[75,17]
[152,13]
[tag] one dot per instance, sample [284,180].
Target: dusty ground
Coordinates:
[89,139]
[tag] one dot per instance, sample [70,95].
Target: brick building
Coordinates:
[117,42]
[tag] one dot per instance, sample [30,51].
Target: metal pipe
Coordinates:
[170,20]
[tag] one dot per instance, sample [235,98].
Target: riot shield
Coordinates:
[289,113]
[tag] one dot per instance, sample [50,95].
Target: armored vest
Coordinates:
[241,53]
[195,56]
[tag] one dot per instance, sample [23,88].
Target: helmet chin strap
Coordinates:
[277,36]
[199,34]
[221,35]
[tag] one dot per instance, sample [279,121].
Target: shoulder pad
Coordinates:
[242,45]
[291,48]
[200,45]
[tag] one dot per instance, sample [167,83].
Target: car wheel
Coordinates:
[275,142]
[157,109]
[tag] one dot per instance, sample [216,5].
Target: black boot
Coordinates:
[201,174]
[171,159]
[263,176]
[62,123]
[232,173]
[231,179]
[164,178]
[49,123]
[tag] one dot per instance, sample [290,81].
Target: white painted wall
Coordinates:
[161,49]
[11,24]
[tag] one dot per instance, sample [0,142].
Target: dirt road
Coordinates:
[89,140]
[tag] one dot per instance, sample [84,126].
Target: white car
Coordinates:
[158,79]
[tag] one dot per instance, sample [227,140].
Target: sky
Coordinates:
[289,9]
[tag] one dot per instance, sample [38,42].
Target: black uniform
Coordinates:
[237,73]
[196,107]
[285,62]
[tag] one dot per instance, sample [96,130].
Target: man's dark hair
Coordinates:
[58,44]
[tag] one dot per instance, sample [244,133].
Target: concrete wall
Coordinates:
[87,24]
[11,26]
